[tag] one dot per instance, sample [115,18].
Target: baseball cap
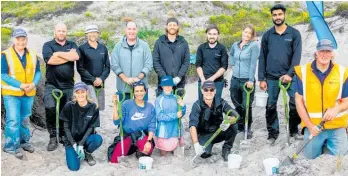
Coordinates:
[19,32]
[208,84]
[325,44]
[80,86]
[167,81]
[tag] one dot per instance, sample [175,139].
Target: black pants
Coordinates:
[228,136]
[238,97]
[50,107]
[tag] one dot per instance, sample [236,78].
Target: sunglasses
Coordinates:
[210,90]
[139,83]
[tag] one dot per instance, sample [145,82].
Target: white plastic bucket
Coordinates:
[145,163]
[271,165]
[261,99]
[234,161]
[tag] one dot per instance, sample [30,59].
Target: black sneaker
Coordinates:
[52,145]
[18,154]
[89,159]
[250,134]
[271,141]
[225,152]
[206,155]
[29,148]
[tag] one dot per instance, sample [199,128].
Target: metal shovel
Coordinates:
[290,161]
[244,144]
[217,132]
[179,151]
[121,158]
[57,97]
[286,107]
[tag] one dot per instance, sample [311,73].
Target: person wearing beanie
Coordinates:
[322,95]
[94,65]
[80,117]
[171,55]
[20,74]
[168,116]
[138,125]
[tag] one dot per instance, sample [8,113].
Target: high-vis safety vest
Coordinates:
[319,97]
[16,71]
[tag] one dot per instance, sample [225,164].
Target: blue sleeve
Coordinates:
[345,89]
[161,116]
[116,122]
[152,125]
[255,51]
[4,73]
[299,86]
[37,76]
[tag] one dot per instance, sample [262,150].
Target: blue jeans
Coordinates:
[18,109]
[335,140]
[271,109]
[219,87]
[93,142]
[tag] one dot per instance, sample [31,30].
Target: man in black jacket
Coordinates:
[94,65]
[206,117]
[280,51]
[171,55]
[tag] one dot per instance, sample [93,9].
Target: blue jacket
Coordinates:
[167,119]
[244,60]
[131,63]
[136,118]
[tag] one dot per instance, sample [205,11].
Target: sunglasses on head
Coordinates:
[210,90]
[139,83]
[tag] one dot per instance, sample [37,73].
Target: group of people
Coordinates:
[318,91]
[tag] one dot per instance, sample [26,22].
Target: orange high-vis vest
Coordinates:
[16,71]
[319,97]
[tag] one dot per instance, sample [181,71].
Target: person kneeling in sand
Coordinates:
[80,117]
[206,117]
[168,116]
[138,125]
[322,95]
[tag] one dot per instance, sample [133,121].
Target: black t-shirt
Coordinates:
[61,76]
[79,119]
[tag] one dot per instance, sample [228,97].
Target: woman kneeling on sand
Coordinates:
[138,123]
[81,117]
[168,116]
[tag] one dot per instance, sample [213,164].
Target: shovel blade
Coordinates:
[287,161]
[122,159]
[244,144]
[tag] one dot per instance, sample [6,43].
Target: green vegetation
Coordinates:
[149,35]
[186,25]
[231,25]
[5,35]
[88,14]
[37,9]
[342,9]
[154,21]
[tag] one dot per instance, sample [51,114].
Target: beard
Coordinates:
[212,40]
[172,33]
[61,39]
[278,24]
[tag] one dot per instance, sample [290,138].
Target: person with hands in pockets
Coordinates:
[80,117]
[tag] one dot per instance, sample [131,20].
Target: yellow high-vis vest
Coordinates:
[16,71]
[319,97]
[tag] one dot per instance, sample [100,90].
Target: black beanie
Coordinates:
[172,19]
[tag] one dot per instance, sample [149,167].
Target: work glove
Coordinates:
[176,80]
[224,126]
[198,148]
[80,152]
[75,147]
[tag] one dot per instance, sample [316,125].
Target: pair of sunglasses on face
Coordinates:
[208,90]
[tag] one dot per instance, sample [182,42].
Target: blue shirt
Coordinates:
[13,82]
[321,76]
[136,118]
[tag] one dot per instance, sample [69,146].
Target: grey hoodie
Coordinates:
[131,63]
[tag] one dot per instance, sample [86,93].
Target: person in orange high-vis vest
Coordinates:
[20,74]
[322,95]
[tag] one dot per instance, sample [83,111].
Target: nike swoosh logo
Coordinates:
[137,116]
